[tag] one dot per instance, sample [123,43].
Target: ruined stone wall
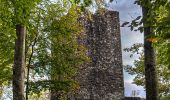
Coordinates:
[102,78]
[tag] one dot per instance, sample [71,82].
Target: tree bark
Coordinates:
[149,60]
[19,64]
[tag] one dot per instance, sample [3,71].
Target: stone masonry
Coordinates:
[102,78]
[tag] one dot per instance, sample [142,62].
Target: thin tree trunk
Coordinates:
[28,67]
[149,61]
[19,64]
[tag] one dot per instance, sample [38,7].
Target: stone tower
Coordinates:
[102,78]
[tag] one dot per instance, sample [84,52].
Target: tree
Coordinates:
[152,28]
[57,54]
[149,61]
[21,15]
[156,33]
[149,27]
[59,44]
[16,17]
[19,49]
[149,53]
[7,37]
[163,31]
[139,71]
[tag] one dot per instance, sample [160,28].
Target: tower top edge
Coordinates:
[106,12]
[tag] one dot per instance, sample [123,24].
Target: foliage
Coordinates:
[153,21]
[58,54]
[55,28]
[165,97]
[163,32]
[7,38]
[158,20]
[139,71]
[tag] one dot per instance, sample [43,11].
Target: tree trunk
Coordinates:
[149,61]
[28,67]
[19,64]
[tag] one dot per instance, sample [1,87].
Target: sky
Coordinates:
[127,12]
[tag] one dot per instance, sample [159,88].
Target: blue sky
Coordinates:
[128,11]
